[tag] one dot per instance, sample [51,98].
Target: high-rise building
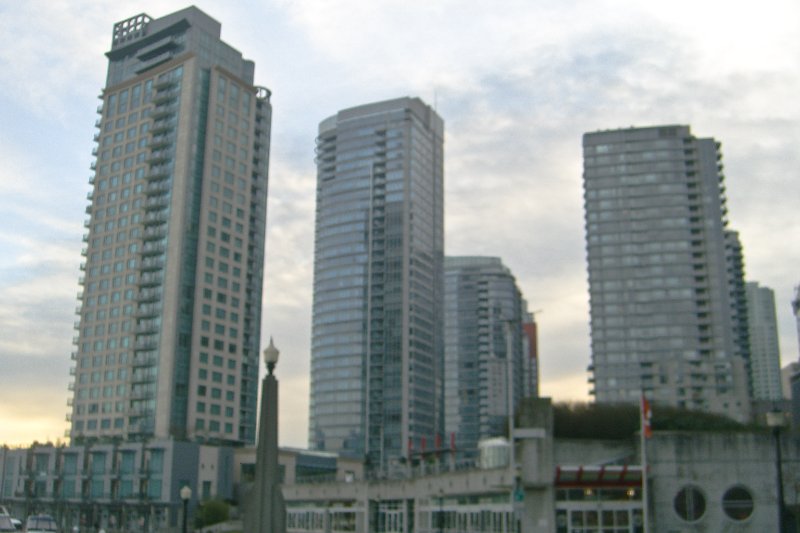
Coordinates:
[765,356]
[171,305]
[486,369]
[530,349]
[668,314]
[794,379]
[378,267]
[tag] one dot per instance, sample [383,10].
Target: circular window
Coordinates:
[737,502]
[689,503]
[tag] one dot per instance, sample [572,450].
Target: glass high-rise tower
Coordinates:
[169,315]
[487,361]
[668,314]
[378,267]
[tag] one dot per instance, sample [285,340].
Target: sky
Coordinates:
[517,83]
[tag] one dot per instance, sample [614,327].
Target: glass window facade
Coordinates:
[377,320]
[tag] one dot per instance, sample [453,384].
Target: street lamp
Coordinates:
[775,420]
[186,495]
[266,511]
[271,354]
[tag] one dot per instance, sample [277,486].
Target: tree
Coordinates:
[211,512]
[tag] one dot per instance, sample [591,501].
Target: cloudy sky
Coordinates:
[517,83]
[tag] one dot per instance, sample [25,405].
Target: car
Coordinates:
[41,523]
[17,523]
[6,524]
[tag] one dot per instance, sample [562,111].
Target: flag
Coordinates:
[647,416]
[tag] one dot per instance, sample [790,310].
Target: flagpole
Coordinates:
[644,428]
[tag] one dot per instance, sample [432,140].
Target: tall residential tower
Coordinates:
[378,267]
[765,354]
[668,316]
[171,305]
[487,350]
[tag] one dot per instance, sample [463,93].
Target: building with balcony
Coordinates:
[169,313]
[666,285]
[765,356]
[487,351]
[376,350]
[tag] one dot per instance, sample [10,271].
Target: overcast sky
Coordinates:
[517,83]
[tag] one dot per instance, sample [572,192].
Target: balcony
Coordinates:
[164,84]
[145,344]
[157,172]
[150,280]
[154,233]
[141,395]
[148,296]
[152,263]
[162,126]
[160,141]
[145,359]
[162,111]
[156,203]
[153,248]
[157,217]
[146,327]
[157,188]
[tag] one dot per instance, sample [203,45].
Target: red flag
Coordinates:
[438,441]
[422,444]
[452,441]
[647,415]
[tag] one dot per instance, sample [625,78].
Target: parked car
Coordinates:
[41,523]
[17,523]
[6,524]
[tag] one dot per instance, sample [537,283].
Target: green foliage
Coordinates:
[675,419]
[595,421]
[211,512]
[621,421]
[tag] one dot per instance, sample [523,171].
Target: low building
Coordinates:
[698,481]
[132,486]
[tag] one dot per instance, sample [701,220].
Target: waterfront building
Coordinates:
[170,310]
[668,313]
[765,365]
[120,486]
[487,367]
[378,265]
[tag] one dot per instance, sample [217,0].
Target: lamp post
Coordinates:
[266,510]
[775,420]
[186,495]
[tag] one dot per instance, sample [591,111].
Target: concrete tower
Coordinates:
[170,312]
[765,356]
[665,274]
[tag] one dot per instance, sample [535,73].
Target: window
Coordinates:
[689,503]
[737,502]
